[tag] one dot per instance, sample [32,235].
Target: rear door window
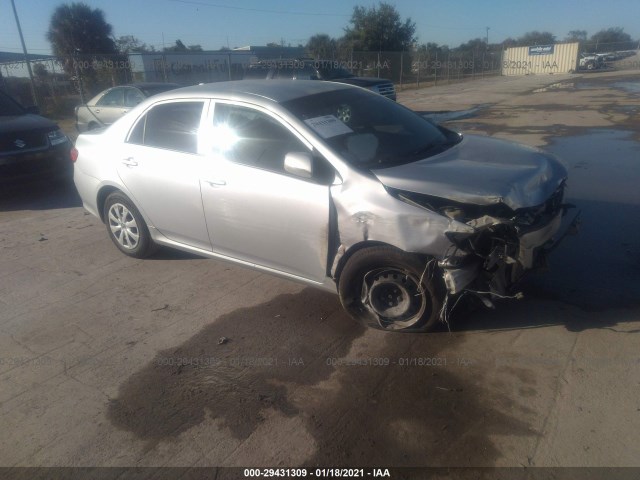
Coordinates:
[171,126]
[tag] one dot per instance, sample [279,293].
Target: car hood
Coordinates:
[21,123]
[481,171]
[365,82]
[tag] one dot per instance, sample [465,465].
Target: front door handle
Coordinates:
[216,183]
[130,162]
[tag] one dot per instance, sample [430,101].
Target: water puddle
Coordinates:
[625,86]
[600,267]
[555,86]
[629,87]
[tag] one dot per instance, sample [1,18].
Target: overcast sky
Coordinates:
[217,23]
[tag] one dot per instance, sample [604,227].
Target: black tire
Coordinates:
[389,289]
[126,227]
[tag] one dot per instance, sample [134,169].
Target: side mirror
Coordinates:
[299,164]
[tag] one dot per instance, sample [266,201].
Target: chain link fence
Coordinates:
[62,83]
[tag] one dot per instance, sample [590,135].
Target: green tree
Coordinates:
[78,30]
[322,46]
[610,39]
[379,29]
[476,45]
[432,50]
[178,47]
[40,71]
[536,38]
[129,44]
[576,36]
[81,38]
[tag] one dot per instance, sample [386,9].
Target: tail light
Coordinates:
[73,154]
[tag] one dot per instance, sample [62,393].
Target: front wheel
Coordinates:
[389,289]
[126,227]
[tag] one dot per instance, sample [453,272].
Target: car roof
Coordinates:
[152,84]
[275,90]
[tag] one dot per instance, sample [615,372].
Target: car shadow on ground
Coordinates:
[41,195]
[275,368]
[166,253]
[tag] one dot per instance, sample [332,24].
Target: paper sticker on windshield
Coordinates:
[328,126]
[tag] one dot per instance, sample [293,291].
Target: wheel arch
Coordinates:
[103,193]
[402,294]
[361,246]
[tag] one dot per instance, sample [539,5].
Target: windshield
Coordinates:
[9,107]
[370,131]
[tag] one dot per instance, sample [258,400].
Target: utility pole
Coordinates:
[26,56]
[487,36]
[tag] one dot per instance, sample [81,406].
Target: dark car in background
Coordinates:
[326,70]
[31,147]
[112,103]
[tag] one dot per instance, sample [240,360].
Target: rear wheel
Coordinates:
[389,289]
[126,227]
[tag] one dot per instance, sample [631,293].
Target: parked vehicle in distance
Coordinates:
[327,70]
[112,103]
[329,185]
[591,61]
[31,146]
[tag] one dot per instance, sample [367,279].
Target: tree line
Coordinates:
[78,31]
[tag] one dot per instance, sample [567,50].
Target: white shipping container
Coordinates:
[540,59]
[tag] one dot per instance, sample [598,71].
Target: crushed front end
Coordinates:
[492,246]
[502,244]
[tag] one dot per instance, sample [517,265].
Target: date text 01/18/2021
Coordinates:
[400,362]
[317,472]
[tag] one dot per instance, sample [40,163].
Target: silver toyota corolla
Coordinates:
[330,185]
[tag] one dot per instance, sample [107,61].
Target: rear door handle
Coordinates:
[130,162]
[216,183]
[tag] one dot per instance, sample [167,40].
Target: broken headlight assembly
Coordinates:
[491,255]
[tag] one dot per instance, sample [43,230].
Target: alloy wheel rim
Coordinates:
[124,227]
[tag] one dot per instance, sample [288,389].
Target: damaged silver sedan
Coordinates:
[330,185]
